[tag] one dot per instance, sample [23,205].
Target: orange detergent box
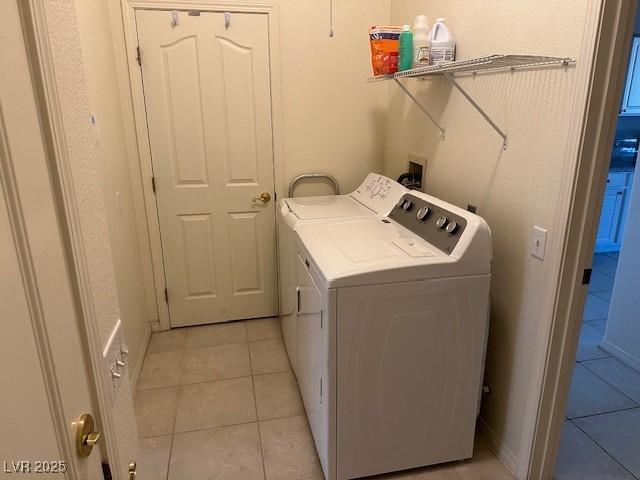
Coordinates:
[385,45]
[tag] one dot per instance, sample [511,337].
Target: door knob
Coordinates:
[132,470]
[264,197]
[86,438]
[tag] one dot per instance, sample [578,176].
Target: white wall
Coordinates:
[513,189]
[333,122]
[62,28]
[111,155]
[623,325]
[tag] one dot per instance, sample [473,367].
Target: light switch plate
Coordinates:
[539,242]
[115,358]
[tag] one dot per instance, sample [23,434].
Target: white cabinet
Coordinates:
[613,214]
[631,98]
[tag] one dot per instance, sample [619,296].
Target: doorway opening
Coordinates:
[601,431]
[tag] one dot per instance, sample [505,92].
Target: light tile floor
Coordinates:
[221,402]
[601,436]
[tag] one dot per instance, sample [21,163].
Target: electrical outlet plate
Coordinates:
[114,355]
[539,242]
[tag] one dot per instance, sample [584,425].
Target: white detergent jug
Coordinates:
[443,45]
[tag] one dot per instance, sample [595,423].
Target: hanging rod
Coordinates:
[421,107]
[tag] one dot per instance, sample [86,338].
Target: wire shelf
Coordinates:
[489,63]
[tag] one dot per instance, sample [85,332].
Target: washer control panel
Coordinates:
[438,226]
[379,193]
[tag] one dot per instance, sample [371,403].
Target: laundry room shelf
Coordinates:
[487,64]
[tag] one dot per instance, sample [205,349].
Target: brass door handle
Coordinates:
[264,197]
[86,438]
[132,470]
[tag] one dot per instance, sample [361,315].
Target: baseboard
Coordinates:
[498,447]
[135,373]
[622,355]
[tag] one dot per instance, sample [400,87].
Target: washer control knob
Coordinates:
[442,222]
[452,228]
[423,213]
[400,203]
[375,190]
[407,205]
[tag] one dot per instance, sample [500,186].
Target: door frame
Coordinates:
[41,63]
[129,7]
[606,44]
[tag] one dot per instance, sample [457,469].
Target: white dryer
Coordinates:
[392,326]
[376,195]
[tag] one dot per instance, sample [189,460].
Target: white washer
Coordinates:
[392,326]
[376,195]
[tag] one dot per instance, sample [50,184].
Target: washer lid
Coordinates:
[371,240]
[331,206]
[377,250]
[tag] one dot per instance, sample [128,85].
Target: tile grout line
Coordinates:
[210,381]
[604,450]
[613,386]
[594,320]
[600,268]
[225,344]
[218,427]
[171,433]
[179,386]
[592,359]
[604,413]
[255,405]
[601,272]
[175,417]
[601,292]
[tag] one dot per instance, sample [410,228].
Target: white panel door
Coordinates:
[207,95]
[47,382]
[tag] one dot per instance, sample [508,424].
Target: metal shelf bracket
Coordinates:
[475,105]
[421,107]
[488,64]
